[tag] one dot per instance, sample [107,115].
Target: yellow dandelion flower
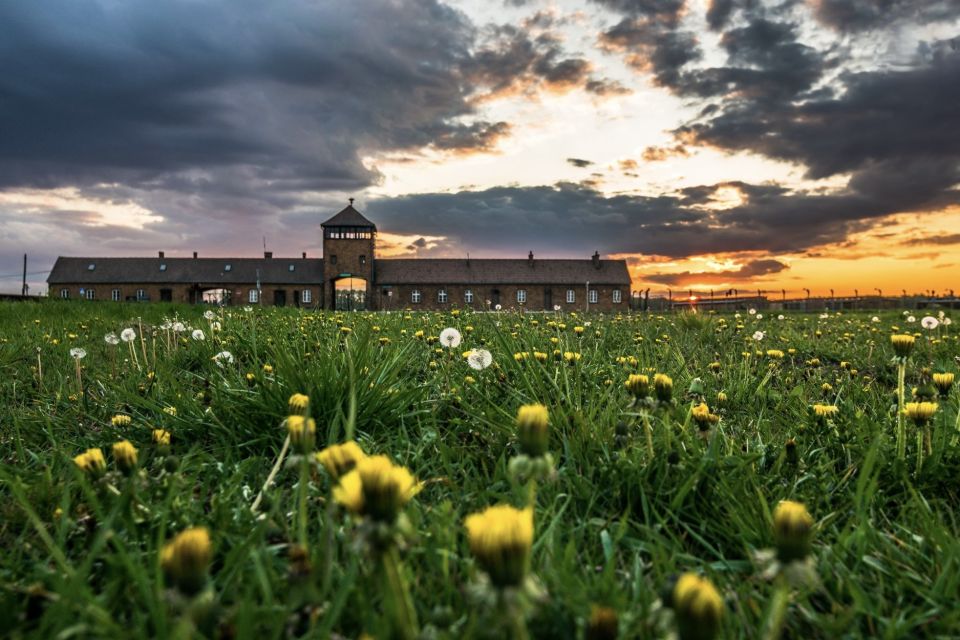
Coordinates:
[161,437]
[638,385]
[91,462]
[943,382]
[298,403]
[663,387]
[339,459]
[121,420]
[532,429]
[902,344]
[125,455]
[302,432]
[500,539]
[186,558]
[384,489]
[698,608]
[920,412]
[603,624]
[792,531]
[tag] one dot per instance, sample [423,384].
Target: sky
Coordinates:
[772,145]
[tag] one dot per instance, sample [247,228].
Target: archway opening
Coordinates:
[350,294]
[216,296]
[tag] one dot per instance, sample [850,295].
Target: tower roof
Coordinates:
[349,217]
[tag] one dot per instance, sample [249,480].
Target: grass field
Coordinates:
[637,489]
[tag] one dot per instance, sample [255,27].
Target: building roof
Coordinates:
[349,217]
[500,271]
[208,271]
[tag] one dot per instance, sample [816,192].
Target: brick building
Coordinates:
[349,276]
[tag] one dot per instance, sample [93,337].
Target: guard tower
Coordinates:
[348,248]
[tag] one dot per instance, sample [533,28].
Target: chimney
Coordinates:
[268,254]
[194,255]
[304,255]
[596,259]
[530,259]
[160,253]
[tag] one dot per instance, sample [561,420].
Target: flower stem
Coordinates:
[302,501]
[403,612]
[777,614]
[901,425]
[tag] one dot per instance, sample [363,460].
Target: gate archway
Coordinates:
[350,294]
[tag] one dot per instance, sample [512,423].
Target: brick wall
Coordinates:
[239,293]
[537,298]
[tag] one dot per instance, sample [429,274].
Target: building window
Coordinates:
[521,295]
[141,294]
[163,267]
[306,297]
[91,267]
[617,296]
[468,296]
[415,296]
[442,296]
[571,296]
[227,267]
[333,258]
[593,296]
[90,294]
[65,293]
[115,295]
[253,296]
[363,259]
[291,267]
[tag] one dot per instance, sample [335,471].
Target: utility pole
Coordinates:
[23,289]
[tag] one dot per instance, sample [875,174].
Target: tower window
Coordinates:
[333,258]
[363,259]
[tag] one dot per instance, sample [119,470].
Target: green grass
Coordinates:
[612,526]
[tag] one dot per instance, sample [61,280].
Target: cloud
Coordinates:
[659,154]
[860,15]
[579,162]
[939,239]
[748,271]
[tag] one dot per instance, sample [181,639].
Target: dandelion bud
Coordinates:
[697,606]
[603,624]
[91,462]
[638,385]
[500,538]
[125,455]
[943,382]
[376,488]
[339,459]
[120,420]
[790,449]
[920,412]
[297,404]
[302,433]
[663,387]
[532,429]
[161,438]
[721,398]
[186,558]
[825,411]
[902,344]
[702,416]
[792,531]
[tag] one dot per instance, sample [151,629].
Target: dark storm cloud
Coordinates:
[859,15]
[749,271]
[570,219]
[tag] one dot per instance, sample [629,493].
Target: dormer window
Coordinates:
[227,267]
[163,267]
[91,267]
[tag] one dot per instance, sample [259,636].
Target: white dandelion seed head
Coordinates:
[875,319]
[197,334]
[209,314]
[128,335]
[78,353]
[941,314]
[111,339]
[824,316]
[780,317]
[178,327]
[911,319]
[215,326]
[556,307]
[498,307]
[479,359]
[929,322]
[947,322]
[758,335]
[753,312]
[223,358]
[736,315]
[248,309]
[759,316]
[450,338]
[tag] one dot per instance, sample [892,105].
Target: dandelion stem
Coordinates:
[302,501]
[273,474]
[777,614]
[648,430]
[901,425]
[403,611]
